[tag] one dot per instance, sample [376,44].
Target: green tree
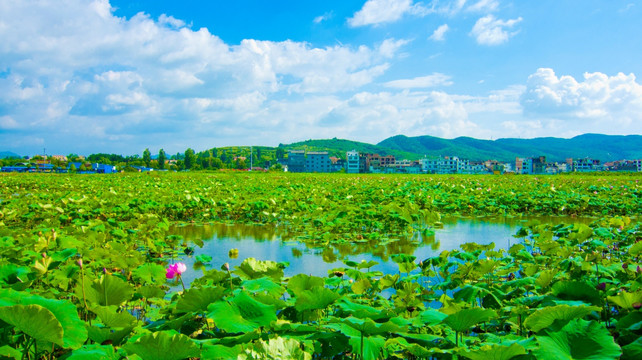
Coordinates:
[217,163]
[147,157]
[161,159]
[190,158]
[280,153]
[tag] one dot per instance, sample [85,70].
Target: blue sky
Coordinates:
[121,76]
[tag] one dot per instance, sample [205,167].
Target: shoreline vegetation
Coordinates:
[85,268]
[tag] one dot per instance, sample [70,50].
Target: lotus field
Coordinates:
[90,269]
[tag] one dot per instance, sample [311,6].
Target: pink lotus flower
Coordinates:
[175,270]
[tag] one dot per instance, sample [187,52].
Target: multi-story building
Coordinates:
[352,162]
[584,165]
[296,160]
[318,161]
[524,165]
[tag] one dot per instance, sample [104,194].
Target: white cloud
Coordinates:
[491,31]
[607,99]
[323,17]
[73,68]
[433,80]
[484,6]
[390,47]
[376,12]
[440,33]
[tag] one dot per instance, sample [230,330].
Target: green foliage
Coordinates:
[163,345]
[83,261]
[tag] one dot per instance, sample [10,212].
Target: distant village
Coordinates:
[355,162]
[301,161]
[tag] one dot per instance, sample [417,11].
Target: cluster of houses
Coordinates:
[356,162]
[77,167]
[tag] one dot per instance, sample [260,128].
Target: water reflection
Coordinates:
[265,242]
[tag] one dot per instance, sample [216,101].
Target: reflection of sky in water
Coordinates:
[266,243]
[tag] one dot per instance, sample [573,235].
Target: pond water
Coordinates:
[264,242]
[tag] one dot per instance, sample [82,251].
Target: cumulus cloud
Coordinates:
[491,31]
[376,12]
[433,80]
[440,33]
[71,69]
[599,96]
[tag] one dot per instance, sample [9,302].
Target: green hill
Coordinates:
[339,147]
[596,146]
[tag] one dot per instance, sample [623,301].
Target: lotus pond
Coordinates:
[91,267]
[220,243]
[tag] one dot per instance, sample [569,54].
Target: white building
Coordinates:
[352,162]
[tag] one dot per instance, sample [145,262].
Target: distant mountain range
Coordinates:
[8,154]
[595,146]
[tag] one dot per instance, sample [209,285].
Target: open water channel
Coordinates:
[273,243]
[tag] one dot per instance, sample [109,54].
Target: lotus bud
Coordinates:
[80,263]
[227,266]
[601,286]
[625,266]
[44,255]
[638,270]
[637,305]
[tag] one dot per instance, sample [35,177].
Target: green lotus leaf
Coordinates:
[34,320]
[251,268]
[467,318]
[198,299]
[102,334]
[11,274]
[110,316]
[221,352]
[631,321]
[577,290]
[632,351]
[205,259]
[163,345]
[301,282]
[414,349]
[578,340]
[241,314]
[108,290]
[74,329]
[626,300]
[278,348]
[150,273]
[150,292]
[315,298]
[362,311]
[370,348]
[495,352]
[559,315]
[635,249]
[7,351]
[94,352]
[367,264]
[367,326]
[63,255]
[431,317]
[360,286]
[263,285]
